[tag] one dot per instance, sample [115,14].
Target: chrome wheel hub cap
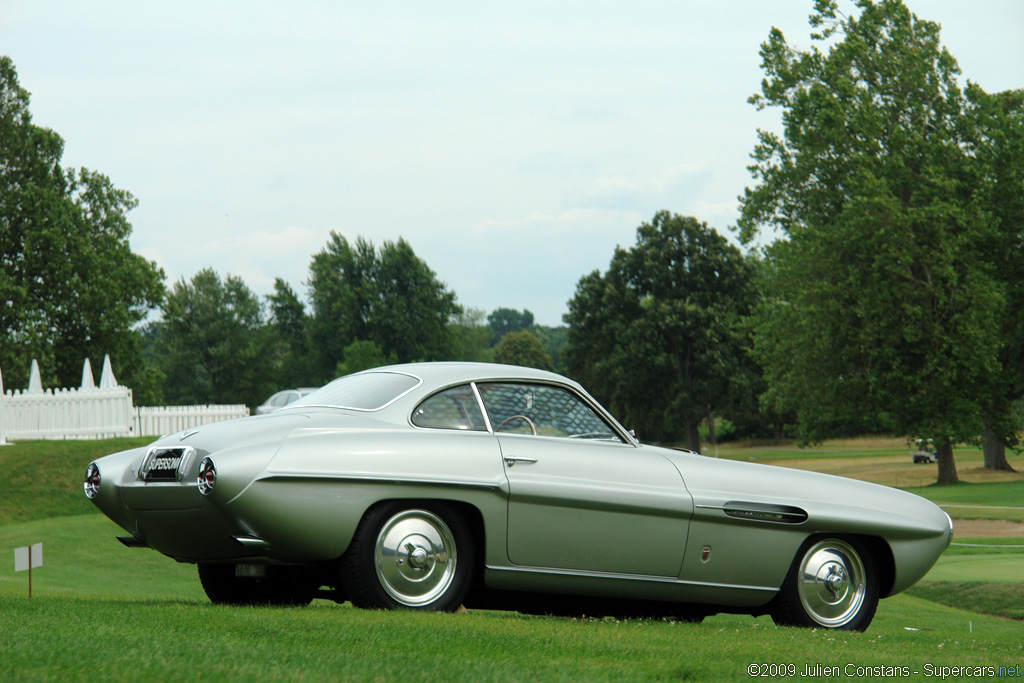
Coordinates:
[833,583]
[415,557]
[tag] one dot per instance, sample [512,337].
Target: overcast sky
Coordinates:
[513,144]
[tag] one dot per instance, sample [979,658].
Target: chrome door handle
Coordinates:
[511,460]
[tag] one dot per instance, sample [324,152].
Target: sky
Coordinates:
[513,145]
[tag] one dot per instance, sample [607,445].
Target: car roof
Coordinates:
[436,376]
[438,373]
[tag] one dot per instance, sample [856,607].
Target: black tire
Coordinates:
[283,588]
[833,583]
[407,555]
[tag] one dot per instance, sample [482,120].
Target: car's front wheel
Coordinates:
[832,584]
[415,556]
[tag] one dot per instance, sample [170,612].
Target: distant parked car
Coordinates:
[282,399]
[433,485]
[924,453]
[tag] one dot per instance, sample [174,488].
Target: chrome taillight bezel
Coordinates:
[92,481]
[207,478]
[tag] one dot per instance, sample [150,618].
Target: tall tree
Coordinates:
[389,297]
[658,336]
[212,343]
[288,325]
[412,309]
[341,278]
[1000,154]
[71,286]
[883,308]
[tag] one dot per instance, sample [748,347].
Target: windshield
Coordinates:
[362,391]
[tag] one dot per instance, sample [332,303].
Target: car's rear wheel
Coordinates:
[832,584]
[414,556]
[283,589]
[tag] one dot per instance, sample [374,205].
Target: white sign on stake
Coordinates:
[22,555]
[28,557]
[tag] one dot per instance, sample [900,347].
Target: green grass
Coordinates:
[48,639]
[980,568]
[986,546]
[41,479]
[82,558]
[101,611]
[996,500]
[793,452]
[998,494]
[1000,599]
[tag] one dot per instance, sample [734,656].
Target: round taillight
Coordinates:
[92,481]
[207,476]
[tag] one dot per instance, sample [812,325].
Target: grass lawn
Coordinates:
[44,478]
[883,460]
[979,568]
[95,638]
[101,611]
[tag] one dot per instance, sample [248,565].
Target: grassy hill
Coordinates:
[42,479]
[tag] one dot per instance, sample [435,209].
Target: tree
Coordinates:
[412,309]
[658,336]
[340,282]
[390,297]
[71,286]
[505,320]
[471,338]
[883,308]
[212,342]
[553,340]
[1000,142]
[288,325]
[523,348]
[363,355]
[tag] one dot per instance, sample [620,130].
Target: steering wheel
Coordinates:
[533,427]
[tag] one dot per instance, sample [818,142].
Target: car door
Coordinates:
[580,496]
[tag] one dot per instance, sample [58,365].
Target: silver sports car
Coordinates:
[434,485]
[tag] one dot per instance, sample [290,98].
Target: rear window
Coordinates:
[363,391]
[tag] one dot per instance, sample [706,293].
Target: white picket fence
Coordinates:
[96,413]
[156,421]
[67,414]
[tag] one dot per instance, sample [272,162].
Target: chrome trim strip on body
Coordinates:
[580,573]
[624,433]
[367,479]
[252,542]
[755,512]
[480,405]
[406,481]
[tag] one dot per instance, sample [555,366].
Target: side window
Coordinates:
[542,410]
[454,408]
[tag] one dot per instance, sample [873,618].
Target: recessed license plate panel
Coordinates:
[165,464]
